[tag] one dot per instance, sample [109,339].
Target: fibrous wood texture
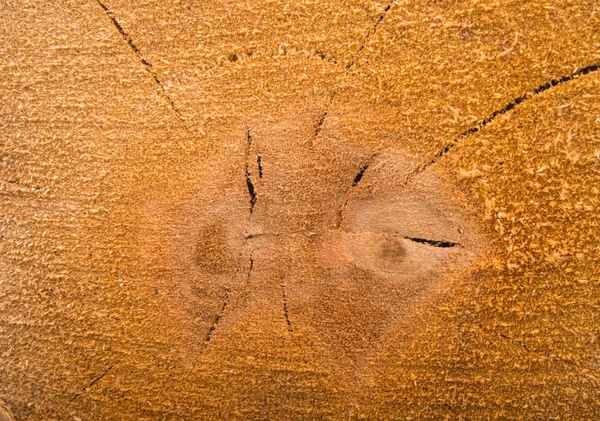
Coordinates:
[299,210]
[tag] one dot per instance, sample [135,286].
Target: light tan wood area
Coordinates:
[301,210]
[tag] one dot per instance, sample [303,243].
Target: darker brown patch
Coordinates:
[392,250]
[465,33]
[212,254]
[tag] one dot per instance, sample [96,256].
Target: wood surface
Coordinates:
[299,210]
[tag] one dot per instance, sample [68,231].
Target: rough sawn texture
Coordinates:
[299,210]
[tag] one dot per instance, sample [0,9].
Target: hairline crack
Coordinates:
[218,318]
[355,182]
[147,65]
[351,64]
[286,313]
[93,382]
[508,107]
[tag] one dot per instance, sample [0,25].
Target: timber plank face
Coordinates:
[299,210]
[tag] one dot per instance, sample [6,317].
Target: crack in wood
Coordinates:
[420,240]
[251,266]
[147,65]
[93,382]
[516,342]
[286,313]
[371,32]
[259,165]
[508,107]
[218,318]
[433,243]
[351,64]
[251,190]
[249,183]
[320,124]
[355,182]
[248,138]
[361,172]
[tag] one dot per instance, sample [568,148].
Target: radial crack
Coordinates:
[251,266]
[320,125]
[248,138]
[360,174]
[433,243]
[261,234]
[554,358]
[93,382]
[218,318]
[357,179]
[147,65]
[516,342]
[352,62]
[508,107]
[285,307]
[369,35]
[251,190]
[249,183]
[259,165]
